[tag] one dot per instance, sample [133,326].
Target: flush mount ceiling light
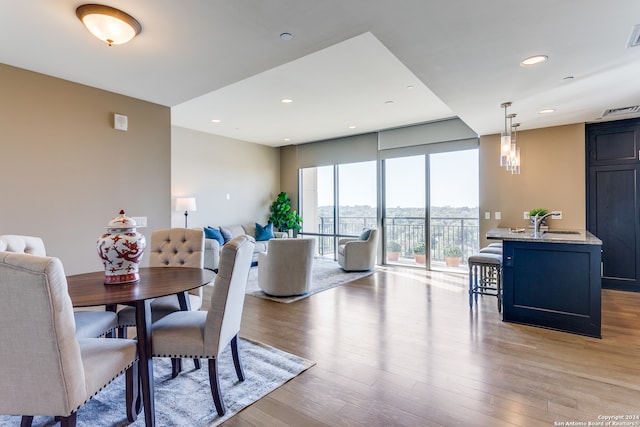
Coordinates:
[534,60]
[286,100]
[546,111]
[108,24]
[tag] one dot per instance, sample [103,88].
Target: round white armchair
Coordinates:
[285,269]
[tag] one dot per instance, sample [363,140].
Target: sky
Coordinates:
[454,181]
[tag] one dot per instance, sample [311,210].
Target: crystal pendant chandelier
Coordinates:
[509,151]
[505,138]
[514,154]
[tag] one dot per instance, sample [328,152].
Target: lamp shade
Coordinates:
[108,24]
[186,204]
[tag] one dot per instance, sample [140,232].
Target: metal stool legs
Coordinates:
[485,277]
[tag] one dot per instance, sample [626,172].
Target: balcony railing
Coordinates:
[408,232]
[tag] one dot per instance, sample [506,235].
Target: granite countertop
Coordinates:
[549,236]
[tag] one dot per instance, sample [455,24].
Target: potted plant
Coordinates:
[539,212]
[393,250]
[282,216]
[452,256]
[419,253]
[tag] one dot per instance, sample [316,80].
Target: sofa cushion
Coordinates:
[235,231]
[249,230]
[213,233]
[264,232]
[261,246]
[226,234]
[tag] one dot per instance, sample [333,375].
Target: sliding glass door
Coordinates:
[404,213]
[453,208]
[430,213]
[337,201]
[429,207]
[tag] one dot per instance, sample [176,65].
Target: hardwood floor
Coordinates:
[401,347]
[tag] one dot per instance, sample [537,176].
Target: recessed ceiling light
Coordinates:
[410,87]
[286,100]
[287,139]
[534,60]
[547,111]
[286,36]
[568,78]
[352,127]
[215,120]
[388,102]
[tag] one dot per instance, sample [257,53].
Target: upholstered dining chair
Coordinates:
[205,334]
[46,369]
[359,254]
[172,247]
[89,324]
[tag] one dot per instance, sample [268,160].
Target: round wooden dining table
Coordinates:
[89,289]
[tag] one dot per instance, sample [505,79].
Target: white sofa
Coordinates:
[212,246]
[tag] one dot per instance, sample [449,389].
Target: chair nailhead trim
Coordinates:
[102,388]
[184,356]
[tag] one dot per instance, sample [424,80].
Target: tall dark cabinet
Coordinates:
[613,189]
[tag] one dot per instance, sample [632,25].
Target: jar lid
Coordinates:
[122,221]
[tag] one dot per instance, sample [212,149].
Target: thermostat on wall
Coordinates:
[120,122]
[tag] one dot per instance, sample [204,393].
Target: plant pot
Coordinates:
[420,258]
[393,256]
[452,261]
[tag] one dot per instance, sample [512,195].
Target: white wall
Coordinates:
[210,167]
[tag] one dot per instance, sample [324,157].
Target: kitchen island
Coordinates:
[552,280]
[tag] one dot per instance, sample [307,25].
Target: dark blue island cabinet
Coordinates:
[552,285]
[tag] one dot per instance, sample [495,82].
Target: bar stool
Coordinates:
[491,250]
[485,277]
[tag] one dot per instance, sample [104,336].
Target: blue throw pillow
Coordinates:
[213,233]
[365,234]
[264,233]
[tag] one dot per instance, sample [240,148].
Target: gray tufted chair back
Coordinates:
[177,247]
[89,324]
[22,244]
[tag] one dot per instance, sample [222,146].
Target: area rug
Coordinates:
[186,400]
[326,274]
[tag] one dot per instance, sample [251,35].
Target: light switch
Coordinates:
[141,221]
[487,215]
[497,215]
[556,215]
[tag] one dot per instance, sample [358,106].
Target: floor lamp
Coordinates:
[186,204]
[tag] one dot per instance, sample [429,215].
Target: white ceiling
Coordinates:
[224,59]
